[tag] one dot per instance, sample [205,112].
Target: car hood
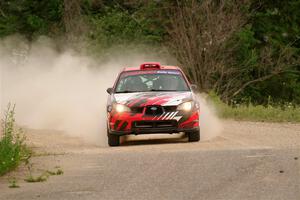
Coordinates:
[138,99]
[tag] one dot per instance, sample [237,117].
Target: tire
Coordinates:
[113,140]
[193,136]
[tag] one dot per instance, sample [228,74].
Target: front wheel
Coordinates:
[113,140]
[194,136]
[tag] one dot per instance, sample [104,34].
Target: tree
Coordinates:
[30,18]
[217,43]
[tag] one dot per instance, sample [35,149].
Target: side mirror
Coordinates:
[109,90]
[194,87]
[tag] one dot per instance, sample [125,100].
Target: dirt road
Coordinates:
[248,161]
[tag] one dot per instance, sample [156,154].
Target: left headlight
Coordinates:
[121,108]
[187,106]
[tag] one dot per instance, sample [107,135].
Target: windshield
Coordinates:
[143,81]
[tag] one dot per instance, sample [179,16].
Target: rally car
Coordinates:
[151,99]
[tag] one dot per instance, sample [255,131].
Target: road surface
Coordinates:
[250,160]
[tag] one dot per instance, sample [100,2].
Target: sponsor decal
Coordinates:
[176,72]
[141,72]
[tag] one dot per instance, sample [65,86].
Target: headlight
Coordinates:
[187,106]
[121,108]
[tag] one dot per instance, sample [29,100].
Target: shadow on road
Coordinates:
[153,139]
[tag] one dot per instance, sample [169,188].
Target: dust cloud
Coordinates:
[210,124]
[65,90]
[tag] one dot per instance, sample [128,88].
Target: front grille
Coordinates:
[137,109]
[154,110]
[170,108]
[155,124]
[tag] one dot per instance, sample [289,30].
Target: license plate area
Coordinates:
[155,124]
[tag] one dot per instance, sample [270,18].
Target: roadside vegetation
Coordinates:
[44,176]
[13,149]
[13,183]
[250,112]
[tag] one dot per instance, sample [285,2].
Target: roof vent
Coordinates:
[150,65]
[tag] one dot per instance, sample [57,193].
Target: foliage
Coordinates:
[274,25]
[30,18]
[205,43]
[12,147]
[123,29]
[222,51]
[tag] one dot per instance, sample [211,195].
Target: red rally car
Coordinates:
[152,99]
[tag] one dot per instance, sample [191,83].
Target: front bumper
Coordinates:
[153,131]
[127,123]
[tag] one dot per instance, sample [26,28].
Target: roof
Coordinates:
[159,66]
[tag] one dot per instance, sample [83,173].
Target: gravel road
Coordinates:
[250,160]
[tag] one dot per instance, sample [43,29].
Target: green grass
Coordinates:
[261,113]
[44,176]
[13,183]
[286,113]
[12,144]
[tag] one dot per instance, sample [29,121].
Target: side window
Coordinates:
[121,85]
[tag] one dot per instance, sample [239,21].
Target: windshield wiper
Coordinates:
[155,90]
[127,91]
[152,90]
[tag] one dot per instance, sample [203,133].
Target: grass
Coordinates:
[286,113]
[12,144]
[13,150]
[13,183]
[41,154]
[44,176]
[261,113]
[57,172]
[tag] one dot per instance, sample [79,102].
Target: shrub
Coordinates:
[12,143]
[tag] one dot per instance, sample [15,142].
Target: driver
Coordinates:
[135,83]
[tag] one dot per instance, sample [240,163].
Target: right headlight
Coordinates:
[186,106]
[121,108]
